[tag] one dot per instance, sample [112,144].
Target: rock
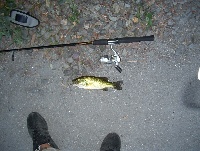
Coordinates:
[86,26]
[64,22]
[67,72]
[174,3]
[47,35]
[124,53]
[53,40]
[127,5]
[65,66]
[121,23]
[43,31]
[170,22]
[102,10]
[113,18]
[173,32]
[138,1]
[97,7]
[75,56]
[116,8]
[128,22]
[70,60]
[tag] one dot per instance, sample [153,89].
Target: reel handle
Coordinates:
[118,68]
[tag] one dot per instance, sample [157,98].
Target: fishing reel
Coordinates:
[112,59]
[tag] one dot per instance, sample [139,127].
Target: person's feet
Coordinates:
[38,130]
[111,142]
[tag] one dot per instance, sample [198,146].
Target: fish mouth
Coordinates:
[75,81]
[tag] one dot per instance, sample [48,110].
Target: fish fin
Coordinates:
[118,85]
[105,89]
[103,78]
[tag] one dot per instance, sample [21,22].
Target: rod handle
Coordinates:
[100,42]
[135,39]
[122,40]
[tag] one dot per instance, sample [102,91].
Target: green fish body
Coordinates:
[91,82]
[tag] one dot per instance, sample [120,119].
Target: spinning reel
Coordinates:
[112,59]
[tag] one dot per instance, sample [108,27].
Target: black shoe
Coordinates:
[38,130]
[111,142]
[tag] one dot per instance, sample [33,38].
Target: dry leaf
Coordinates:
[135,19]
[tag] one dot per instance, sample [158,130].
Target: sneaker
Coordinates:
[111,142]
[38,130]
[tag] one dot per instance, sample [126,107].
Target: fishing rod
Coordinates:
[113,59]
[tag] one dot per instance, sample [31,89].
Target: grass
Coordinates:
[6,28]
[144,15]
[74,15]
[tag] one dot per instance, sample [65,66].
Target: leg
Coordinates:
[38,130]
[111,142]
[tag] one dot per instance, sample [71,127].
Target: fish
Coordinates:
[100,83]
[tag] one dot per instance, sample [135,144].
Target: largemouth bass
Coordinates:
[92,82]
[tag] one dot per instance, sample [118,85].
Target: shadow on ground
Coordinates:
[191,96]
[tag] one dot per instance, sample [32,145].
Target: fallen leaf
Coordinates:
[135,19]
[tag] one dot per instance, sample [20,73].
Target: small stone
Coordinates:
[65,66]
[67,72]
[124,53]
[75,67]
[64,22]
[119,23]
[75,56]
[138,1]
[127,5]
[70,60]
[128,22]
[47,35]
[113,18]
[170,22]
[86,26]
[43,31]
[173,32]
[102,10]
[116,8]
[97,7]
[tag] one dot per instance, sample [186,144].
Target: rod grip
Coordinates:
[100,42]
[135,39]
[123,40]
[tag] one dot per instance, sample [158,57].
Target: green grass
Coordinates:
[7,29]
[145,15]
[74,14]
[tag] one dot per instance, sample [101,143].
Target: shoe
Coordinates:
[38,130]
[111,142]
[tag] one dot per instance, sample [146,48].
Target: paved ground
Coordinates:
[158,108]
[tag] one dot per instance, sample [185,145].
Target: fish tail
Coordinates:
[118,85]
